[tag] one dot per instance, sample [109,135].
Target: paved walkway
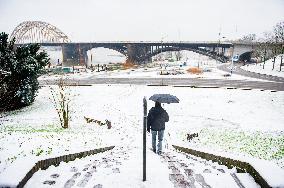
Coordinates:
[240,71]
[122,167]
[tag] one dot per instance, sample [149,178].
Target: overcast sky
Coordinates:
[107,20]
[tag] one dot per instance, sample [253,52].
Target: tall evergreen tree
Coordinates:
[20,66]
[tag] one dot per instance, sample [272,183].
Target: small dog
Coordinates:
[189,137]
[108,123]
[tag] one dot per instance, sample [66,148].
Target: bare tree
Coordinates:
[279,32]
[178,55]
[279,39]
[61,99]
[271,44]
[264,47]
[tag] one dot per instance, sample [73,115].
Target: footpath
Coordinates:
[122,167]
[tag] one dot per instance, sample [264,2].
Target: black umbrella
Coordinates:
[164,98]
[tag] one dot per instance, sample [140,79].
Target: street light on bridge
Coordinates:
[219,44]
[162,44]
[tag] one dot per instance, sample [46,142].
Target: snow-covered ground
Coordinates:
[76,76]
[243,123]
[240,123]
[268,67]
[175,69]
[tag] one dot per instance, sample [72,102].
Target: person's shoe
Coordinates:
[154,150]
[159,153]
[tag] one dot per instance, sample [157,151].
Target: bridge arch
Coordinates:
[120,50]
[202,51]
[38,32]
[95,55]
[246,56]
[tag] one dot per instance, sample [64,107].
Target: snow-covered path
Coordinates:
[122,167]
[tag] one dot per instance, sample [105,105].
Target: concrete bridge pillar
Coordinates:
[136,54]
[229,52]
[74,55]
[85,58]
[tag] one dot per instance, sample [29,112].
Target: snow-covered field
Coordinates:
[248,123]
[176,69]
[268,67]
[153,70]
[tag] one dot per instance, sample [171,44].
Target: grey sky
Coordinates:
[101,20]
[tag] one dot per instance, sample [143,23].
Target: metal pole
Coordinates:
[281,62]
[219,34]
[274,59]
[232,66]
[144,137]
[264,58]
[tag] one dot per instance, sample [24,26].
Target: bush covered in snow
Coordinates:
[20,67]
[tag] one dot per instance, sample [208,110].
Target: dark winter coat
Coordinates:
[156,119]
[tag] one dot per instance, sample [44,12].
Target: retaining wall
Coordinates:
[230,163]
[44,164]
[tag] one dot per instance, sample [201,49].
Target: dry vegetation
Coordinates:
[194,70]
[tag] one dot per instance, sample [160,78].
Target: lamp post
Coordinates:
[217,53]
[144,136]
[162,43]
[281,57]
[223,49]
[232,66]
[162,52]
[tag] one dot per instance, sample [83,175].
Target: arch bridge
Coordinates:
[138,52]
[38,32]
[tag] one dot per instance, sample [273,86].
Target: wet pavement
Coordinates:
[180,82]
[265,82]
[238,70]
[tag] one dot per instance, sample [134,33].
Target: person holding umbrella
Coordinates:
[157,117]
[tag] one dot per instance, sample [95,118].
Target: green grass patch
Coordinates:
[28,129]
[257,144]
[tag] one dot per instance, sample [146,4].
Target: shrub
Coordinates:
[194,70]
[20,66]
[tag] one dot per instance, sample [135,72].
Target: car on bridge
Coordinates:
[235,58]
